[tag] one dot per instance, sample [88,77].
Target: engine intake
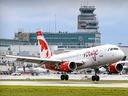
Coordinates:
[68,66]
[115,68]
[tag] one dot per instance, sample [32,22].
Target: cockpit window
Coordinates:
[111,49]
[115,49]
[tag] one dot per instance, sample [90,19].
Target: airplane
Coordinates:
[75,60]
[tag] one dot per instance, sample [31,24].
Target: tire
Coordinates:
[66,77]
[37,74]
[62,77]
[93,78]
[97,78]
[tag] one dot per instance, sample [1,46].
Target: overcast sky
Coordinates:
[33,15]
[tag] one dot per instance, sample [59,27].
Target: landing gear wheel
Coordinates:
[66,77]
[93,78]
[62,77]
[97,78]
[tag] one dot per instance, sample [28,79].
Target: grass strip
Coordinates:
[61,91]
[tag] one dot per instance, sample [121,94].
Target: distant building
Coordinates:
[69,40]
[22,36]
[8,42]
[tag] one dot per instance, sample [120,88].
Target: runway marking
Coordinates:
[55,83]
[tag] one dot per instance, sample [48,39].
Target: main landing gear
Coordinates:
[95,77]
[64,77]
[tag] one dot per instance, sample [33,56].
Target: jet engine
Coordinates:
[68,66]
[63,66]
[115,68]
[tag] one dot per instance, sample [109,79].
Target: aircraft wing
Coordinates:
[39,60]
[33,59]
[123,62]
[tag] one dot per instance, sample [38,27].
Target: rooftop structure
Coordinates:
[87,21]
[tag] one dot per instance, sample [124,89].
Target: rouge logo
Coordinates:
[92,54]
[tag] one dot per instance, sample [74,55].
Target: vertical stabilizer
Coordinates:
[43,46]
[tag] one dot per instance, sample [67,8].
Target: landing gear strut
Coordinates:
[95,77]
[64,77]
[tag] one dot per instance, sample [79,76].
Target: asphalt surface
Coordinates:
[64,83]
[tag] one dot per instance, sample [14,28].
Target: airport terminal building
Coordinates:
[69,40]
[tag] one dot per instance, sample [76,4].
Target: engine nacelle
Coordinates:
[115,68]
[68,66]
[64,67]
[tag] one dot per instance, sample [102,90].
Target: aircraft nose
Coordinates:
[121,54]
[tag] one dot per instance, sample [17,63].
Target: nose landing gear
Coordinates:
[95,77]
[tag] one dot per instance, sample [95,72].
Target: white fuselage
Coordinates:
[91,57]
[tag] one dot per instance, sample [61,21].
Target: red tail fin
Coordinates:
[44,48]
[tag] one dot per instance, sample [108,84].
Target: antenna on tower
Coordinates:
[55,23]
[81,3]
[87,3]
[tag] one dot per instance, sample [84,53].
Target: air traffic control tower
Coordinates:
[87,21]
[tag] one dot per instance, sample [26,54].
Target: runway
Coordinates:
[71,77]
[64,83]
